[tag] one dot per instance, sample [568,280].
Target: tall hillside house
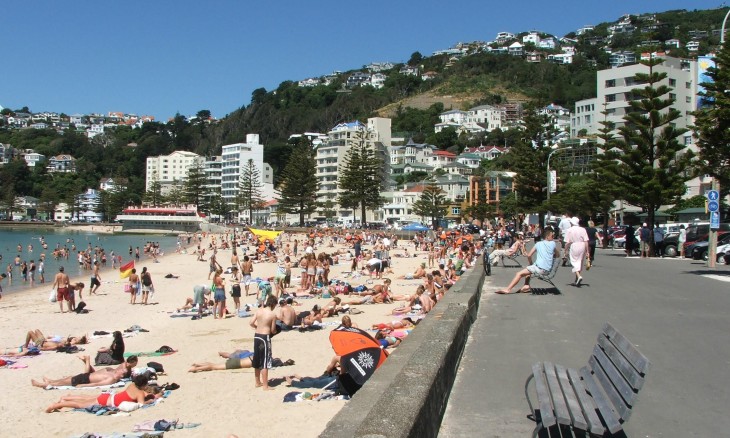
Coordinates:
[614,90]
[113,184]
[356,79]
[171,169]
[490,117]
[33,158]
[331,155]
[61,164]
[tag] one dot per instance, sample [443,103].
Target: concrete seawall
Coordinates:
[407,396]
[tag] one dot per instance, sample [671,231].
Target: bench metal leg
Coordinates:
[533,413]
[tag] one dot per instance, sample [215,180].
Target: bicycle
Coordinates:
[487,262]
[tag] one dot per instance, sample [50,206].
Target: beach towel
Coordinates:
[103,388]
[149,354]
[296,396]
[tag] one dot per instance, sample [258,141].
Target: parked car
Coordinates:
[723,254]
[698,250]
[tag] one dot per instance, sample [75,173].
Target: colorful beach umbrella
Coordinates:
[360,354]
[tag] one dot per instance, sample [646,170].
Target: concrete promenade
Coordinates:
[677,312]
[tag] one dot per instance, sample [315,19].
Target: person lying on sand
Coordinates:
[90,376]
[44,343]
[405,323]
[239,359]
[134,393]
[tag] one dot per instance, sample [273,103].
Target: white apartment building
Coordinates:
[613,91]
[170,169]
[487,116]
[331,155]
[235,157]
[212,169]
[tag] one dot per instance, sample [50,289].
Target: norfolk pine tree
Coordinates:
[712,123]
[194,188]
[299,182]
[649,163]
[431,204]
[361,180]
[249,189]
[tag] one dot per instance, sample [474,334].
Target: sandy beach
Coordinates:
[223,402]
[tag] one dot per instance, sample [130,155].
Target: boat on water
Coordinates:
[162,220]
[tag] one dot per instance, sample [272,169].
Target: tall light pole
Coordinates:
[548,168]
[722,30]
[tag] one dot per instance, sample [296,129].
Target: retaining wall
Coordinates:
[406,397]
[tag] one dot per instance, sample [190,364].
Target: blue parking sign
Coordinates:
[715,220]
[713,195]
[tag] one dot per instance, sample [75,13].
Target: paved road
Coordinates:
[677,312]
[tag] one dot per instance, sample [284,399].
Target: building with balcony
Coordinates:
[171,169]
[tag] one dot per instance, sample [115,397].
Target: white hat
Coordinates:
[574,220]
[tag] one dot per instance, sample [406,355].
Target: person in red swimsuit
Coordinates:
[134,393]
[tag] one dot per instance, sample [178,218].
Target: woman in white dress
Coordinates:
[576,248]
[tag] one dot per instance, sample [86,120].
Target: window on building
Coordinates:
[610,98]
[688,85]
[455,210]
[673,96]
[688,99]
[672,82]
[687,140]
[610,83]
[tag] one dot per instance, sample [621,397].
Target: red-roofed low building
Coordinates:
[440,159]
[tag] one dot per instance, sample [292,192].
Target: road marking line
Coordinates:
[717,277]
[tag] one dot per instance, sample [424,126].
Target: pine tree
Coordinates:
[712,123]
[431,204]
[361,180]
[153,196]
[249,189]
[650,164]
[194,188]
[299,182]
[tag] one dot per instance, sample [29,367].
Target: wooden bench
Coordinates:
[600,397]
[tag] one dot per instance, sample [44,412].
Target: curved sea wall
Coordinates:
[407,396]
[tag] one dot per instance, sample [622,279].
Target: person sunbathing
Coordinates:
[420,302]
[332,308]
[134,392]
[405,323]
[239,359]
[91,376]
[419,273]
[385,340]
[308,319]
[44,343]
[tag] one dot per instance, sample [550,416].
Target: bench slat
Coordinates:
[627,370]
[543,396]
[614,375]
[576,412]
[610,417]
[556,393]
[614,396]
[637,359]
[586,402]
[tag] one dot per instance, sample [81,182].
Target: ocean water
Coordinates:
[10,238]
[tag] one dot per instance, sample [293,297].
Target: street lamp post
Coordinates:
[722,30]
[548,168]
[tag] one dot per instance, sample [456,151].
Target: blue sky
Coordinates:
[162,57]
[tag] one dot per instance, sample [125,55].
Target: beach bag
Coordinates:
[52,297]
[104,358]
[127,288]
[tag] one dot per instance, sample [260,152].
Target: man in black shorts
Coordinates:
[90,376]
[264,323]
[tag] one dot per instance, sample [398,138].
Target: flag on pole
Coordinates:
[126,270]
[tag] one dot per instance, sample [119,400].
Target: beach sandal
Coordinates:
[525,289]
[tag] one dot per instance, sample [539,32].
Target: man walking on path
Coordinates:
[644,235]
[658,241]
